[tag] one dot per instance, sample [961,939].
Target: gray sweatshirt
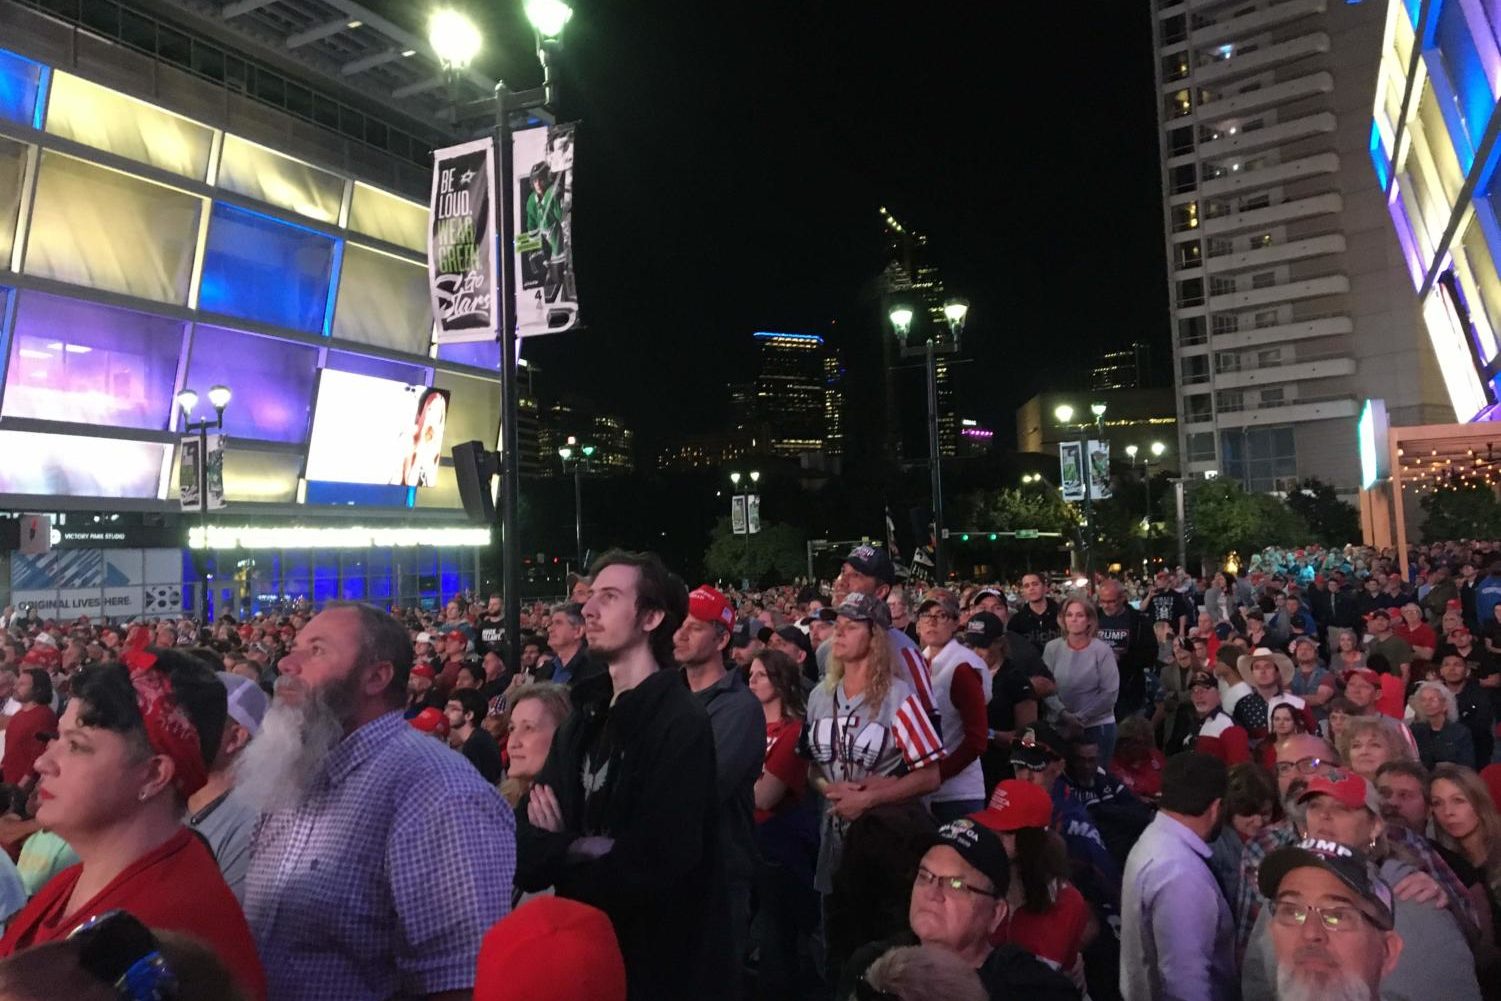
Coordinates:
[1088,680]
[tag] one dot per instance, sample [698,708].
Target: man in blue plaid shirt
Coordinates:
[382,856]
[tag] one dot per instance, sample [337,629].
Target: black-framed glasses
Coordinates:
[1303,766]
[1335,918]
[934,617]
[946,885]
[116,948]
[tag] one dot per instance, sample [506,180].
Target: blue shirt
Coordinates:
[384,879]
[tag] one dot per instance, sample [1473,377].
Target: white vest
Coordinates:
[970,783]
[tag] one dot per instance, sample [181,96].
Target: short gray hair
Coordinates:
[1451,704]
[572,609]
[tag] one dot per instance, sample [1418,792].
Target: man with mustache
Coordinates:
[342,893]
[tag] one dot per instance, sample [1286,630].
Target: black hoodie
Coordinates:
[651,758]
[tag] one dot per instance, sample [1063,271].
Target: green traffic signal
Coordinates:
[993,536]
[964,537]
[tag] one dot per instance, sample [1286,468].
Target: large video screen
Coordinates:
[371,430]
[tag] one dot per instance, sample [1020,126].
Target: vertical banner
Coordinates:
[187,474]
[753,513]
[738,515]
[1071,470]
[542,164]
[1099,470]
[214,463]
[36,534]
[461,264]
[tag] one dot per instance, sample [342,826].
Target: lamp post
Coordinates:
[955,312]
[187,399]
[457,40]
[755,477]
[1065,415]
[577,456]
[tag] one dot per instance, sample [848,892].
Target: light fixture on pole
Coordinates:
[456,41]
[577,457]
[1065,414]
[187,400]
[955,312]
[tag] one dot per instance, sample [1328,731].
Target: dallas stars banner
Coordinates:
[461,260]
[542,165]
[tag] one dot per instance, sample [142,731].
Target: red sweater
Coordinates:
[22,746]
[174,887]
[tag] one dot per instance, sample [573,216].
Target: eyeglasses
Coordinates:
[117,949]
[946,885]
[934,617]
[1303,766]
[1338,918]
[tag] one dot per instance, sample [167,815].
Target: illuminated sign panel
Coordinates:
[297,537]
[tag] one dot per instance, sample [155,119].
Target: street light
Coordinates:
[955,312]
[187,399]
[456,40]
[578,456]
[754,477]
[1065,414]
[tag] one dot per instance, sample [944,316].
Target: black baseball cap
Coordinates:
[1037,747]
[986,592]
[980,847]
[983,629]
[798,638]
[1342,862]
[872,562]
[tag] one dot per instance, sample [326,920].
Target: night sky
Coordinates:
[733,155]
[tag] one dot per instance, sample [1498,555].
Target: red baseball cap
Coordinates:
[1016,804]
[553,948]
[1365,674]
[431,720]
[1347,788]
[707,605]
[423,671]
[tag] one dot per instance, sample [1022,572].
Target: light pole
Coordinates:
[578,456]
[755,477]
[456,41]
[1065,415]
[956,312]
[187,399]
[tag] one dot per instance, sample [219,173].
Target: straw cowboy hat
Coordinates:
[1283,661]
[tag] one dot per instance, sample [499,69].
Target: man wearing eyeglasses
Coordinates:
[1177,938]
[958,901]
[1332,923]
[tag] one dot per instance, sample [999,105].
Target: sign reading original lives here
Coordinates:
[461,244]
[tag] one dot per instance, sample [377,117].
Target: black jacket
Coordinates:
[1009,972]
[662,882]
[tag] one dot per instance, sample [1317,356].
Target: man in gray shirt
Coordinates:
[223,819]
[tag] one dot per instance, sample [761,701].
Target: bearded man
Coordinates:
[383,857]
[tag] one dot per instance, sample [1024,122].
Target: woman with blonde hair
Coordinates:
[1346,653]
[1368,742]
[1084,668]
[1466,821]
[1436,729]
[537,710]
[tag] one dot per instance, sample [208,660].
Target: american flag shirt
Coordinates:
[849,740]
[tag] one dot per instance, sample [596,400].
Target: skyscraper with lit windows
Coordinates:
[912,277]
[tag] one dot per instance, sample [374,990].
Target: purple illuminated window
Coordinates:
[480,354]
[271,381]
[75,361]
[380,368]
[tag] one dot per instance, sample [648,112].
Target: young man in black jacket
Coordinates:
[623,816]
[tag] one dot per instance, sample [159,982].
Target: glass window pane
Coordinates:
[479,354]
[98,227]
[267,270]
[20,80]
[105,119]
[445,493]
[75,361]
[380,368]
[473,409]
[296,578]
[386,217]
[264,477]
[269,176]
[325,575]
[383,300]
[272,381]
[12,167]
[74,466]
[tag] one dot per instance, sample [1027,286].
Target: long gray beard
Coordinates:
[282,761]
[1343,986]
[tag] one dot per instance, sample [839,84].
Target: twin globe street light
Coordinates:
[955,312]
[1156,448]
[1065,415]
[578,456]
[187,399]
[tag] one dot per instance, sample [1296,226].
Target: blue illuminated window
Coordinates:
[480,354]
[22,84]
[1466,74]
[272,381]
[379,368]
[263,269]
[356,494]
[1378,157]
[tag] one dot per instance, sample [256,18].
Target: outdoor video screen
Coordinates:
[371,430]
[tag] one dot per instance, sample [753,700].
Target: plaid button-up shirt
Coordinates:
[387,875]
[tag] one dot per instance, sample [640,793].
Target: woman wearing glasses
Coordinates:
[135,742]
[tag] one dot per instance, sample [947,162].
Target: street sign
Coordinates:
[1026,533]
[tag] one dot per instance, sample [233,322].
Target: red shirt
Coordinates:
[22,747]
[1421,634]
[782,761]
[1055,934]
[1142,777]
[175,887]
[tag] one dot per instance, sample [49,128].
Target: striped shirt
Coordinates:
[917,674]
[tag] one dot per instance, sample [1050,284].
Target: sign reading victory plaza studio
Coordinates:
[461,263]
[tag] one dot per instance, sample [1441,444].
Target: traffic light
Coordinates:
[993,536]
[964,537]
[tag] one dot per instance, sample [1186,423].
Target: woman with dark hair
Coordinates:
[26,731]
[776,682]
[1046,915]
[135,742]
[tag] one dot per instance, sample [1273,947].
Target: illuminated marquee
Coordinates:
[301,537]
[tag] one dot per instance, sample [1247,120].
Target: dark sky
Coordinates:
[733,155]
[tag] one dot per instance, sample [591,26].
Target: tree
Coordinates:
[1461,511]
[1040,507]
[1332,522]
[1223,518]
[775,555]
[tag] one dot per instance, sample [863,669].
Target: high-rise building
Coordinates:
[1288,293]
[833,403]
[1125,368]
[788,400]
[910,275]
[573,417]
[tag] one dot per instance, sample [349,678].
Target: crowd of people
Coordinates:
[1275,785]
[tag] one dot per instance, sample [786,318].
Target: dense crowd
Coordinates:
[1280,784]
